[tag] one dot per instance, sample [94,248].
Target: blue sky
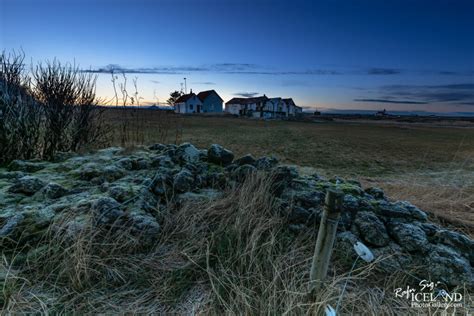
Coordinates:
[399,55]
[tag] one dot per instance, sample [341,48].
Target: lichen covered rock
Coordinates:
[219,155]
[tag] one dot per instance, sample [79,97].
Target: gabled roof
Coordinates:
[247,100]
[275,99]
[185,97]
[204,94]
[289,101]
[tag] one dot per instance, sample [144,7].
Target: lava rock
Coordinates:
[392,258]
[125,163]
[88,171]
[371,229]
[183,181]
[54,191]
[446,265]
[219,155]
[157,147]
[106,211]
[266,163]
[457,241]
[376,193]
[300,215]
[409,236]
[10,224]
[246,160]
[216,180]
[402,210]
[242,172]
[188,153]
[27,185]
[140,164]
[162,161]
[161,183]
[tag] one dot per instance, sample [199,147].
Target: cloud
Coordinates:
[455,92]
[246,94]
[255,69]
[454,86]
[288,73]
[452,94]
[455,73]
[207,83]
[390,101]
[155,81]
[383,71]
[225,68]
[114,68]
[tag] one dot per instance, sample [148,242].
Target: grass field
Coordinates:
[235,255]
[432,166]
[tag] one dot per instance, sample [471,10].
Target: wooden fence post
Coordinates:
[325,240]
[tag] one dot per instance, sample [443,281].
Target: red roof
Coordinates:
[204,94]
[247,100]
[185,97]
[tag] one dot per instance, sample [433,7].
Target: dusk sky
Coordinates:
[398,55]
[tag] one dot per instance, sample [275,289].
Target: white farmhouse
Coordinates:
[245,106]
[204,102]
[188,103]
[263,107]
[291,108]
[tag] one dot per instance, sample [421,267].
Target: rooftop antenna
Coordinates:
[185,87]
[181,87]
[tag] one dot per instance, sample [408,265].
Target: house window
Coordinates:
[190,106]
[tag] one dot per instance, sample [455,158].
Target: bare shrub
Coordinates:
[56,111]
[71,116]
[20,115]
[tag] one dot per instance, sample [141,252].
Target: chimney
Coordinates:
[191,91]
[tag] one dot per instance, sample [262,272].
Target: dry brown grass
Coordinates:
[448,196]
[233,255]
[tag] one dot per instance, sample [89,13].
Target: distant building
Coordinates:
[245,106]
[291,107]
[204,102]
[188,103]
[382,113]
[211,101]
[263,107]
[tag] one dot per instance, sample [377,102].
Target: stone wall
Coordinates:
[113,188]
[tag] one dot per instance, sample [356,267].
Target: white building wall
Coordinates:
[233,108]
[190,106]
[180,107]
[192,103]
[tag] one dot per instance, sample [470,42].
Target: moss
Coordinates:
[322,185]
[374,203]
[352,189]
[215,168]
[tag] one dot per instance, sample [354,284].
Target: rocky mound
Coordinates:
[114,188]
